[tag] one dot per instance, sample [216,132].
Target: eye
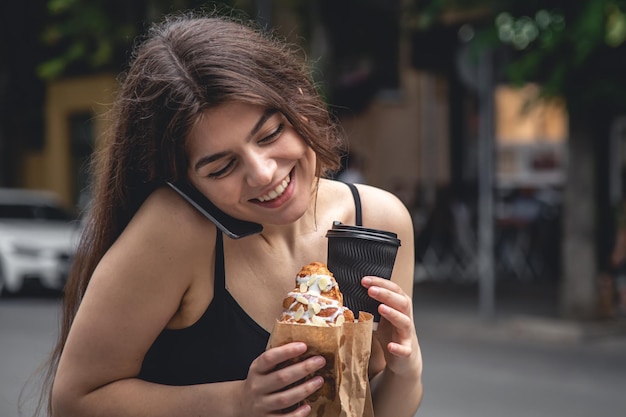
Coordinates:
[223,171]
[274,135]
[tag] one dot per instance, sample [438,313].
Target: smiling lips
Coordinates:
[276,192]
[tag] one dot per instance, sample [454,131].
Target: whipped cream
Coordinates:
[311,306]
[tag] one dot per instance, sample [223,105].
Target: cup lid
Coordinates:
[359,232]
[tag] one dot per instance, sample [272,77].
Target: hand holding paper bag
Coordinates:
[314,314]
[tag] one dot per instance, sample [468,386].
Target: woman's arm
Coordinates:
[138,289]
[396,362]
[260,394]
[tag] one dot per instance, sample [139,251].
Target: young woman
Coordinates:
[163,315]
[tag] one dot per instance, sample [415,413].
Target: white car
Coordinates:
[38,239]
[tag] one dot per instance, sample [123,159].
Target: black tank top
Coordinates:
[220,346]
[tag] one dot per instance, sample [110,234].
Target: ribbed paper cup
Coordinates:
[354,252]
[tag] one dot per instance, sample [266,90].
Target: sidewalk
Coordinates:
[522,311]
[523,362]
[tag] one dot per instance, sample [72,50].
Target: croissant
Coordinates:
[316,299]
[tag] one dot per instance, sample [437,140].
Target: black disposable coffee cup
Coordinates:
[355,252]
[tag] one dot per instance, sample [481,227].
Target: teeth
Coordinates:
[276,192]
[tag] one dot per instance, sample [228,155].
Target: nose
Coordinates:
[259,169]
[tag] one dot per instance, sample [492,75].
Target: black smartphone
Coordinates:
[234,228]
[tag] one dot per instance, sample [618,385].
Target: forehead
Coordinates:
[226,122]
[229,116]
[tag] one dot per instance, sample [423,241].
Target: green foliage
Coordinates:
[90,35]
[615,26]
[84,34]
[574,49]
[575,52]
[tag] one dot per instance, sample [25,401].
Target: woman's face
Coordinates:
[250,162]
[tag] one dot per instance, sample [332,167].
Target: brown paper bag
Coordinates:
[347,349]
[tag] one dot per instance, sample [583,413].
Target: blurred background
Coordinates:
[501,125]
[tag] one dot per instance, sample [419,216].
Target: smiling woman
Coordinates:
[164,316]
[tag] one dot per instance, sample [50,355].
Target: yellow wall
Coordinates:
[51,168]
[522,117]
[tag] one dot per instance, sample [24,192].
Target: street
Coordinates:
[28,328]
[482,373]
[472,368]
[522,363]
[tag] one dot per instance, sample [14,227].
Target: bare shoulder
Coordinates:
[167,223]
[142,279]
[166,238]
[138,288]
[382,209]
[337,200]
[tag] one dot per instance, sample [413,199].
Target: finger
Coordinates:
[271,358]
[399,350]
[397,301]
[402,323]
[300,411]
[369,281]
[288,375]
[286,399]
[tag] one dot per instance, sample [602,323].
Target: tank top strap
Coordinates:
[219,273]
[357,203]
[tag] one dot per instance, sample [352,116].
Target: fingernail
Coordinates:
[366,281]
[319,361]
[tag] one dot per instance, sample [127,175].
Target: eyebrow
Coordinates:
[259,124]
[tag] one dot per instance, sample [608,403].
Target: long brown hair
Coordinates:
[185,65]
